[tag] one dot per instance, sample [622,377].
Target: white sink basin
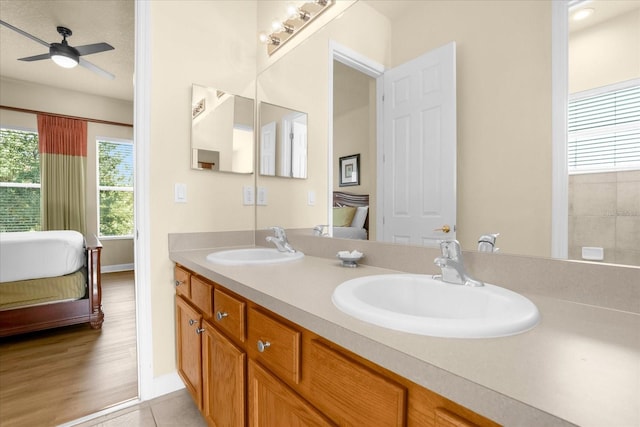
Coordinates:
[422,305]
[252,256]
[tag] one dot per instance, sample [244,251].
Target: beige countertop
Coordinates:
[580,365]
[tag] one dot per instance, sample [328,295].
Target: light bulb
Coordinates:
[64,61]
[582,14]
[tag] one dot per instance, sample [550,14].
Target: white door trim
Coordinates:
[142,244]
[559,102]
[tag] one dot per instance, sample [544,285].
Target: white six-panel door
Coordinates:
[419,161]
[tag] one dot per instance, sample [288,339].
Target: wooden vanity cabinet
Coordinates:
[189,348]
[223,373]
[249,366]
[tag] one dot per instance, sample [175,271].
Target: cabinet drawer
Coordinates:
[181,277]
[273,404]
[202,295]
[275,345]
[340,384]
[229,314]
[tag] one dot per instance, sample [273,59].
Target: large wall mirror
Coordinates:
[504,159]
[222,134]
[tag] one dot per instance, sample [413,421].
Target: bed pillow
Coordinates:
[360,217]
[343,216]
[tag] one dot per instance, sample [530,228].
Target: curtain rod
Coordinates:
[104,122]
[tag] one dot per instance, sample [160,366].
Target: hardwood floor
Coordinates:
[51,377]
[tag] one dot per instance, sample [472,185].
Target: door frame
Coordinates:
[374,70]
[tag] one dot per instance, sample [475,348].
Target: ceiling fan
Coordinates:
[65,55]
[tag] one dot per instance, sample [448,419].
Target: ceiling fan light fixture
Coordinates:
[64,56]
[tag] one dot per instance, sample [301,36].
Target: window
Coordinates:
[115,188]
[19,180]
[604,129]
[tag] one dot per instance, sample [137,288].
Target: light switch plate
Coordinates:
[262,196]
[248,195]
[311,198]
[180,193]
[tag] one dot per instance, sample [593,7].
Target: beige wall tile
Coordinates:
[628,198]
[628,232]
[594,231]
[594,199]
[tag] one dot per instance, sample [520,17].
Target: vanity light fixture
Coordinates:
[269,39]
[281,26]
[297,19]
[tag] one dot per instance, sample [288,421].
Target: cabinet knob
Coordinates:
[192,322]
[179,282]
[221,315]
[199,331]
[263,345]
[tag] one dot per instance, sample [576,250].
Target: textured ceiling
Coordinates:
[91,21]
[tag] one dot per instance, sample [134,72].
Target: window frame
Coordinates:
[602,130]
[100,188]
[38,185]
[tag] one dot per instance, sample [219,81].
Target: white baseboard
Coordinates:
[116,267]
[166,384]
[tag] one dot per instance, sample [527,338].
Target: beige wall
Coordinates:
[217,48]
[503,112]
[606,53]
[26,95]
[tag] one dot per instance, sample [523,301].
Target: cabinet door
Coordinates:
[273,404]
[189,348]
[224,376]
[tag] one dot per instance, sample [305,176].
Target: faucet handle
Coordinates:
[279,232]
[450,249]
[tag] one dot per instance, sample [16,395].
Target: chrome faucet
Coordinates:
[280,240]
[318,230]
[487,243]
[452,266]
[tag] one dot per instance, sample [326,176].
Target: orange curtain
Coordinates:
[63,161]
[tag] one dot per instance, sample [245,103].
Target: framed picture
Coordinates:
[350,170]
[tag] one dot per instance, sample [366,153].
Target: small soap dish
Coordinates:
[350,259]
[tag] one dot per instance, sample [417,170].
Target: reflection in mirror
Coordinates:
[222,134]
[495,194]
[283,142]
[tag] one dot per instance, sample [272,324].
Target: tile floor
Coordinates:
[172,410]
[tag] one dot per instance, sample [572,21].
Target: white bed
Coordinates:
[35,255]
[49,279]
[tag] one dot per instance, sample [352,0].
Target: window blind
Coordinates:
[604,130]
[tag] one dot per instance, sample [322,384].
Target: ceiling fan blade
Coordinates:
[88,65]
[24,33]
[35,57]
[88,49]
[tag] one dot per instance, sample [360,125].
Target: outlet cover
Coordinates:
[247,195]
[180,193]
[262,196]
